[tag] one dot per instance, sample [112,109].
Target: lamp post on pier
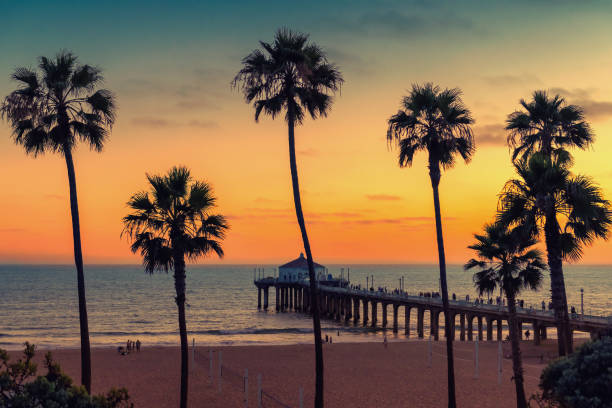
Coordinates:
[581,301]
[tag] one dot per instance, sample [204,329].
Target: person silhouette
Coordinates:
[527,333]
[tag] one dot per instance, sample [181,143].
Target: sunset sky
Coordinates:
[170,65]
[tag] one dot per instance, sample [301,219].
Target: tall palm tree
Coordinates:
[438,123]
[545,125]
[53,108]
[169,226]
[293,75]
[569,210]
[506,260]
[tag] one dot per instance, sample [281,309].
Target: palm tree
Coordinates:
[506,260]
[53,108]
[438,123]
[570,211]
[171,225]
[293,75]
[546,125]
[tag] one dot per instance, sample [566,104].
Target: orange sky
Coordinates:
[176,107]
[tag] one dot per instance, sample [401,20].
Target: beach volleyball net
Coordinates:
[227,379]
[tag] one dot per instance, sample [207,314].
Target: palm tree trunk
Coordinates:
[517,363]
[78,261]
[314,307]
[557,283]
[434,172]
[179,285]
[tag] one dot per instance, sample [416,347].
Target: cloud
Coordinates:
[11,230]
[491,135]
[309,152]
[593,109]
[399,220]
[149,121]
[397,23]
[350,61]
[265,200]
[54,196]
[512,80]
[198,89]
[333,218]
[383,197]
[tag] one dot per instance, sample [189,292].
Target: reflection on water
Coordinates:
[39,304]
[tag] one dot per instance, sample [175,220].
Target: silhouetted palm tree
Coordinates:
[546,125]
[438,123]
[506,260]
[293,75]
[52,109]
[570,211]
[171,225]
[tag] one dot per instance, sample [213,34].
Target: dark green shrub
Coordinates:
[19,388]
[581,380]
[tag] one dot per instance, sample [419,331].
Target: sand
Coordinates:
[356,374]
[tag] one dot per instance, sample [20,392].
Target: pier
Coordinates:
[359,306]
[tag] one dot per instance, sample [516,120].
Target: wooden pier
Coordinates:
[356,305]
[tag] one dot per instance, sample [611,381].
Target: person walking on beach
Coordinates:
[138,345]
[385,340]
[527,333]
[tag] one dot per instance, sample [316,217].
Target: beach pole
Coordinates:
[301,397]
[499,362]
[259,391]
[246,387]
[193,350]
[220,369]
[210,360]
[429,352]
[476,358]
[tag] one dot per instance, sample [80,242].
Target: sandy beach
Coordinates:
[364,374]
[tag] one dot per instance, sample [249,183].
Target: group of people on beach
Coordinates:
[130,346]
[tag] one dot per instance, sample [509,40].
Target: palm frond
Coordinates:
[172,221]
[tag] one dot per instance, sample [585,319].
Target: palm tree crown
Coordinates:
[546,187]
[174,217]
[435,121]
[506,260]
[58,105]
[291,74]
[547,123]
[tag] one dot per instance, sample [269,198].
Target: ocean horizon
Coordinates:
[38,303]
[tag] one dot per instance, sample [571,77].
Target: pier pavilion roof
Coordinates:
[300,263]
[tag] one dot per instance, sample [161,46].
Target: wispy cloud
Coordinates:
[512,80]
[310,152]
[490,135]
[594,109]
[419,21]
[149,121]
[11,230]
[363,218]
[54,196]
[383,197]
[350,61]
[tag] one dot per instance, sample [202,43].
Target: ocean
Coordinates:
[38,303]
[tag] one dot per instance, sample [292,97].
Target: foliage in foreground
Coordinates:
[581,380]
[19,388]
